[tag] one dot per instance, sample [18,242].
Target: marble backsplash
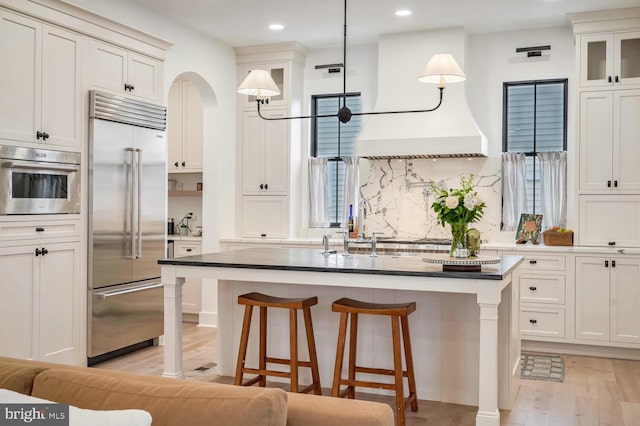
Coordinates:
[397,199]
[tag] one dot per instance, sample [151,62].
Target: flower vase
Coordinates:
[458,240]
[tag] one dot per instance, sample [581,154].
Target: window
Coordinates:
[333,139]
[534,120]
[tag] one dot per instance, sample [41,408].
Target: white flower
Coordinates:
[470,202]
[451,202]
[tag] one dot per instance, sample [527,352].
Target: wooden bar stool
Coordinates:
[264,302]
[398,313]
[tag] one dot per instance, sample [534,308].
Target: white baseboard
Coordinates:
[582,350]
[208,319]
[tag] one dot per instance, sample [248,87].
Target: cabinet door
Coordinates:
[62,116]
[253,134]
[276,153]
[609,220]
[192,117]
[625,300]
[596,138]
[592,298]
[280,74]
[143,73]
[16,303]
[264,217]
[108,67]
[596,60]
[20,85]
[627,58]
[626,146]
[174,126]
[60,301]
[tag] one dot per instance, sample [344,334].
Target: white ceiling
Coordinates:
[319,23]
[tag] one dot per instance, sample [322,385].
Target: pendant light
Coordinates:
[441,68]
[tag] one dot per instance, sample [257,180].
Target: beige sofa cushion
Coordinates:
[311,410]
[169,404]
[18,377]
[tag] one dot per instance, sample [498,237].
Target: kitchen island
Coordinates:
[464,332]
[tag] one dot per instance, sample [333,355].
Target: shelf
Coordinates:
[185,193]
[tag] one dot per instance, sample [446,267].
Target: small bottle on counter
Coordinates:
[350,221]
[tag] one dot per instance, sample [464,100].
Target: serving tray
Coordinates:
[457,264]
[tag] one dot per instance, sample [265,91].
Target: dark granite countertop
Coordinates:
[312,260]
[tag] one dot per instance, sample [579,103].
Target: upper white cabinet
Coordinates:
[610,59]
[609,138]
[41,102]
[124,72]
[184,128]
[265,154]
[609,220]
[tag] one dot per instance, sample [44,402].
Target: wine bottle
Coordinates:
[350,219]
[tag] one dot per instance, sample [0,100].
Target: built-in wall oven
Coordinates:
[38,181]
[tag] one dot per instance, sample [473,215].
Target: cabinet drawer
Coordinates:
[10,231]
[187,249]
[534,262]
[537,288]
[542,322]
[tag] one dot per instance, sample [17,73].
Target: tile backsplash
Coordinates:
[398,201]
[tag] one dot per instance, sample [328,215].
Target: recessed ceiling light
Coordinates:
[276,27]
[403,12]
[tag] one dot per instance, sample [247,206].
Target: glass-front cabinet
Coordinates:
[280,74]
[610,60]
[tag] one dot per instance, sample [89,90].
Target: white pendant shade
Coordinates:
[442,68]
[259,83]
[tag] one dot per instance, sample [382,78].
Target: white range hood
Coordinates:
[450,131]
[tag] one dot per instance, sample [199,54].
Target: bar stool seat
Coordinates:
[398,312]
[264,301]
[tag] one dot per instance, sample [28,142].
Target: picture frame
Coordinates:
[529,228]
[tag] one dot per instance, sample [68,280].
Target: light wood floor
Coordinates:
[595,391]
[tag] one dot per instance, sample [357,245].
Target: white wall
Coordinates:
[490,60]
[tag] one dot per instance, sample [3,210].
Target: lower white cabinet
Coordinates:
[41,303]
[192,288]
[608,299]
[264,216]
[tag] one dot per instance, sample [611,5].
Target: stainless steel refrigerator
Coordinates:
[127,222]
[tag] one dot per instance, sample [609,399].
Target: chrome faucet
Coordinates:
[325,245]
[374,243]
[345,243]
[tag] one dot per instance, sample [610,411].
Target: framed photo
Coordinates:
[529,228]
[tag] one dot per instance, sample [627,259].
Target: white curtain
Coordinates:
[514,189]
[351,185]
[318,193]
[553,188]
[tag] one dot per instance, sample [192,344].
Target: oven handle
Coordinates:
[114,293]
[19,164]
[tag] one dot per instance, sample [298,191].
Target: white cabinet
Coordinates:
[544,285]
[41,102]
[124,72]
[265,154]
[184,128]
[610,59]
[192,288]
[608,299]
[264,216]
[42,300]
[609,141]
[609,220]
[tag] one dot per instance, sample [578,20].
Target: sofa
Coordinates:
[174,402]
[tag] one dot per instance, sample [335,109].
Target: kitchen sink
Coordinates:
[393,247]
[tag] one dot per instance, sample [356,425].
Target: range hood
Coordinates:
[450,131]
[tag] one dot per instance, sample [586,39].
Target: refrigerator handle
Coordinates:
[133,202]
[139,218]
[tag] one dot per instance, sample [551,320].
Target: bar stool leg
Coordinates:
[397,362]
[353,346]
[313,357]
[262,364]
[293,348]
[342,337]
[244,339]
[411,378]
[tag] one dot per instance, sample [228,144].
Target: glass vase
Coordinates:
[458,240]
